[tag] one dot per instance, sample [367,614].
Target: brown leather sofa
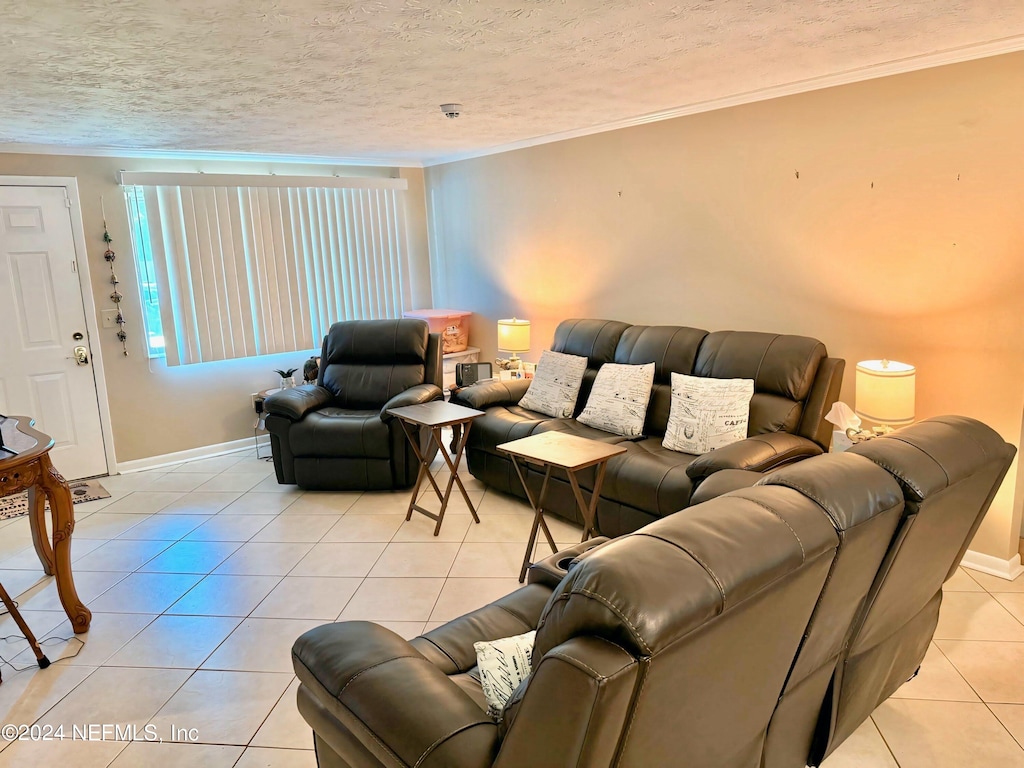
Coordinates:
[338,434]
[795,384]
[759,628]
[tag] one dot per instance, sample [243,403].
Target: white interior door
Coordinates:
[43,321]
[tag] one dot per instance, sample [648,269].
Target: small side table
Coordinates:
[434,416]
[260,426]
[568,452]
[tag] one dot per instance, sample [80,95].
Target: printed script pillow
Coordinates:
[707,413]
[618,401]
[503,665]
[556,384]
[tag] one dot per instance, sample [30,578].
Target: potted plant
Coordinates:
[287,377]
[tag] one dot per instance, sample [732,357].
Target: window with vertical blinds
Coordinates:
[248,266]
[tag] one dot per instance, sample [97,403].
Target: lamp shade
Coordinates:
[885,391]
[514,335]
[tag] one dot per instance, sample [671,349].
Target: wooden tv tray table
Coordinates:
[25,465]
[567,452]
[434,416]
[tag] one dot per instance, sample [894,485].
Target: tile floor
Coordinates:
[200,576]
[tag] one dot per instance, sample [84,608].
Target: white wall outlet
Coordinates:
[109,318]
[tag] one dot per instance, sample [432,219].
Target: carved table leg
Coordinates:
[62,511]
[40,538]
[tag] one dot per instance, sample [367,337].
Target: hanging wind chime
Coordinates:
[116,296]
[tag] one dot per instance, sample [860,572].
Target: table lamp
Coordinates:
[514,336]
[885,393]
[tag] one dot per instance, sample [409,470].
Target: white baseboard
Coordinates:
[1005,569]
[179,457]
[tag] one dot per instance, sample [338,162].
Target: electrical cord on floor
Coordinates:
[51,639]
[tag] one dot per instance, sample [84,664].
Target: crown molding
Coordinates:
[860,74]
[180,154]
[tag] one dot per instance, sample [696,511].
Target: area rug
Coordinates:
[81,491]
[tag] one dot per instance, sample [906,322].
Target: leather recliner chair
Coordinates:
[338,435]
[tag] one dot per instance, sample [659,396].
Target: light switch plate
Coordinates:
[109,318]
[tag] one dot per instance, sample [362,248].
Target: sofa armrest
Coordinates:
[552,569]
[488,393]
[294,403]
[421,393]
[388,696]
[758,454]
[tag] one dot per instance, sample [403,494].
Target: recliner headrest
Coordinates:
[376,342]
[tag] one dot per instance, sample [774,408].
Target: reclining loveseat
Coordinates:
[759,628]
[795,384]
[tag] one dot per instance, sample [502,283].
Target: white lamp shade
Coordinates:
[885,391]
[514,335]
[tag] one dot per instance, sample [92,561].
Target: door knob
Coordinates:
[81,356]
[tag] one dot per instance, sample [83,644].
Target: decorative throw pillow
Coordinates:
[707,413]
[618,401]
[503,665]
[556,384]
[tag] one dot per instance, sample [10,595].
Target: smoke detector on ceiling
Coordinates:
[451,111]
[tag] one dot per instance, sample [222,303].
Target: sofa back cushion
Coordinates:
[365,363]
[783,369]
[672,349]
[593,339]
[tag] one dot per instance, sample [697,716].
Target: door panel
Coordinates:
[39,284]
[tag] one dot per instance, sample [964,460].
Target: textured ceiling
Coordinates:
[364,79]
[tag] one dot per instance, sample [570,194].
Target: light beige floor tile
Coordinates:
[976,616]
[121,695]
[198,503]
[105,525]
[961,581]
[996,584]
[176,755]
[409,599]
[211,466]
[309,528]
[143,502]
[133,481]
[145,593]
[259,504]
[108,632]
[191,557]
[1013,602]
[120,555]
[264,559]
[175,642]
[253,466]
[260,645]
[269,484]
[1012,718]
[864,748]
[460,596]
[285,727]
[85,507]
[89,585]
[945,734]
[301,597]
[421,528]
[242,482]
[431,625]
[381,503]
[489,560]
[261,757]
[364,528]
[80,754]
[471,483]
[497,503]
[41,623]
[456,504]
[225,707]
[25,696]
[416,559]
[225,595]
[516,528]
[937,680]
[354,559]
[164,527]
[322,503]
[18,582]
[238,528]
[27,559]
[180,481]
[984,665]
[405,629]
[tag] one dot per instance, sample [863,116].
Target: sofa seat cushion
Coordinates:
[573,427]
[341,433]
[650,477]
[502,424]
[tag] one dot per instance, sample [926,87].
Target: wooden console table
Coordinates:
[25,465]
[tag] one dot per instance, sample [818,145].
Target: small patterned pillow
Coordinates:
[503,665]
[707,413]
[618,401]
[555,385]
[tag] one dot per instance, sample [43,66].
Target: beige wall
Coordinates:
[155,409]
[885,218]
